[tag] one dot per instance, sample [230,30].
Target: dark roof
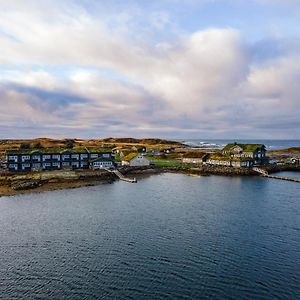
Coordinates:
[245,147]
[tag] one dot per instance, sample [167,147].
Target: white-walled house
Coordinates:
[135,160]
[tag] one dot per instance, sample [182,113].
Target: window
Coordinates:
[65,164]
[36,157]
[45,157]
[56,164]
[13,166]
[65,157]
[94,155]
[75,156]
[36,165]
[56,156]
[25,166]
[25,157]
[82,156]
[13,157]
[107,155]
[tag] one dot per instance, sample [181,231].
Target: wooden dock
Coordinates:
[264,173]
[121,176]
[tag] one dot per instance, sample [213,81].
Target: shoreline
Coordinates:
[23,183]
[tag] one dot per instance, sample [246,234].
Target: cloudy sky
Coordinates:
[159,68]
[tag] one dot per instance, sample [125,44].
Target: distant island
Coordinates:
[46,164]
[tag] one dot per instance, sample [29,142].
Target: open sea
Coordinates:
[220,143]
[169,236]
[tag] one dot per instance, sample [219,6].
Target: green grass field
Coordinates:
[168,163]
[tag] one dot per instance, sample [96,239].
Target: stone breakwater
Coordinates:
[275,168]
[199,170]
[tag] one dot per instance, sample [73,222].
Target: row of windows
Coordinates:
[46,165]
[56,156]
[102,163]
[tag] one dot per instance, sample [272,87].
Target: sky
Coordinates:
[161,68]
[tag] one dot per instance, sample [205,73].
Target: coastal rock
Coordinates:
[17,186]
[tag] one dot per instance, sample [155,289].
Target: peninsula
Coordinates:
[47,164]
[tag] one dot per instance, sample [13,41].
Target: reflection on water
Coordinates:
[169,236]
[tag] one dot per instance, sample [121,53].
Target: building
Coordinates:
[135,160]
[194,157]
[295,160]
[140,149]
[101,163]
[54,158]
[230,162]
[256,152]
[168,150]
[240,156]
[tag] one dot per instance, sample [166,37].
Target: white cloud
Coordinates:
[204,82]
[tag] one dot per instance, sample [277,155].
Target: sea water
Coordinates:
[169,236]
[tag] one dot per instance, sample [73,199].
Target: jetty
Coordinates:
[121,176]
[264,173]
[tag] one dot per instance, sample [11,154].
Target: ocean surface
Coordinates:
[169,236]
[218,143]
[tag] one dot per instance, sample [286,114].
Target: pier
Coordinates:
[264,173]
[121,176]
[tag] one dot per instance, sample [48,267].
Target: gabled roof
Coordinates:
[245,147]
[194,154]
[229,158]
[130,156]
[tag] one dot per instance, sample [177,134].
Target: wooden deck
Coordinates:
[122,177]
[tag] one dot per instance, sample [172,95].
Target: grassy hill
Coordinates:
[65,143]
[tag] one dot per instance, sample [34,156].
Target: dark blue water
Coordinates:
[288,174]
[167,237]
[220,143]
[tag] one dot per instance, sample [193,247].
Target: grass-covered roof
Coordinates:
[229,158]
[59,150]
[130,156]
[194,154]
[245,147]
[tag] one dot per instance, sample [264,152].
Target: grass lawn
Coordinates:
[168,163]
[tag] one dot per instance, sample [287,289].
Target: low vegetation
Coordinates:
[123,143]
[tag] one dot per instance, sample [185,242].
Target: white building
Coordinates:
[135,160]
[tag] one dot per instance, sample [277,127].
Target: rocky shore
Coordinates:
[17,183]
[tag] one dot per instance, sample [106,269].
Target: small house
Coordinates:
[168,150]
[229,162]
[135,160]
[194,157]
[295,160]
[139,149]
